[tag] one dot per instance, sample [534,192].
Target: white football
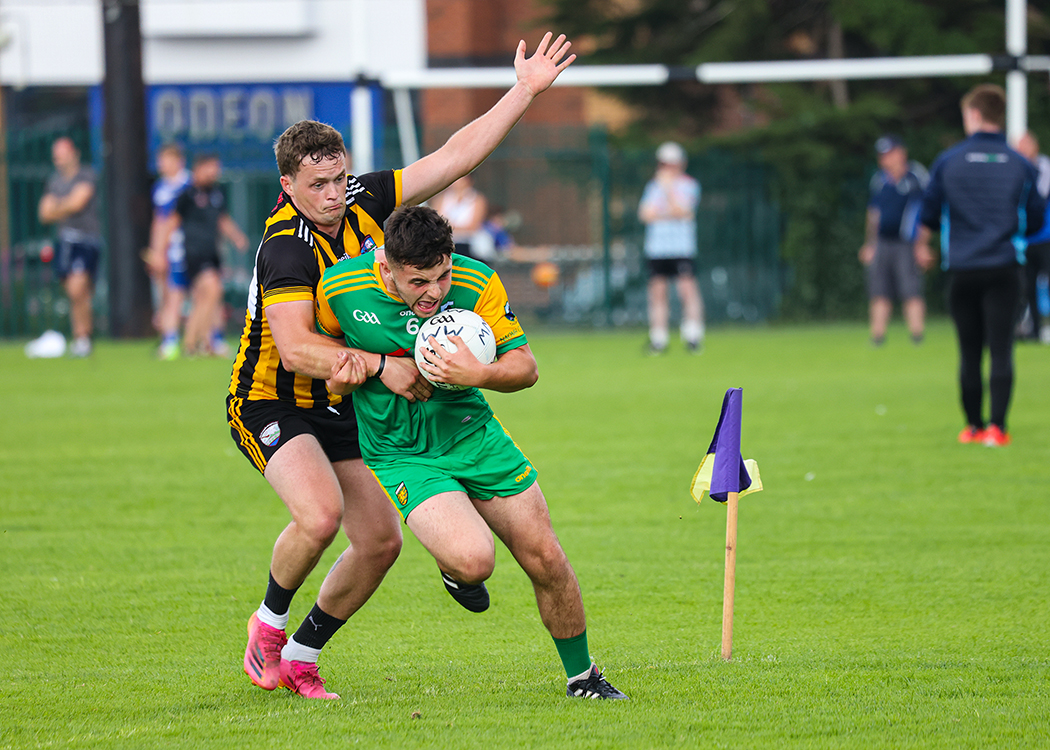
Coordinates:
[466,324]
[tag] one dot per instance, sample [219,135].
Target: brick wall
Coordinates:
[485,33]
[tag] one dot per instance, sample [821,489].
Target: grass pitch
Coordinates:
[891,584]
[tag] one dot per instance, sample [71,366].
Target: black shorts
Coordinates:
[671,267]
[260,428]
[77,257]
[197,264]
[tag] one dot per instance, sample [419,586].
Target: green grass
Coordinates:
[891,584]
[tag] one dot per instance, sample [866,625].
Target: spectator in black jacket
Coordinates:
[982,198]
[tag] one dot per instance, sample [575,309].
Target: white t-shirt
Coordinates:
[671,238]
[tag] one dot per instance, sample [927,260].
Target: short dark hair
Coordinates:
[418,236]
[989,101]
[306,139]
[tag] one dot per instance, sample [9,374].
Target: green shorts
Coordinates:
[485,464]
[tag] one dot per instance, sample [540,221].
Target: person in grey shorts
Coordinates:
[892,273]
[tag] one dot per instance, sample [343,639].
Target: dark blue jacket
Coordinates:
[982,197]
[898,203]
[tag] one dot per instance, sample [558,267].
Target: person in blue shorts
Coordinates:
[70,201]
[166,257]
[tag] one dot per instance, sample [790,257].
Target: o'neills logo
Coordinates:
[270,434]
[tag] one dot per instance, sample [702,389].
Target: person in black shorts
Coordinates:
[282,416]
[201,212]
[668,211]
[983,196]
[892,220]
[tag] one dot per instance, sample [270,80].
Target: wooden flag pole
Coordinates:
[732,500]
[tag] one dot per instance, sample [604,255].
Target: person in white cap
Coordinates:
[668,210]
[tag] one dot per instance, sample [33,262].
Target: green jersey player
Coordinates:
[448,465]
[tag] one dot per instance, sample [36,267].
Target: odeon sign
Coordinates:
[201,114]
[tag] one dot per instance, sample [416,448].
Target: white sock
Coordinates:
[293,651]
[692,332]
[582,675]
[659,337]
[266,615]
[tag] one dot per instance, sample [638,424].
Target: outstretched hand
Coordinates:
[539,71]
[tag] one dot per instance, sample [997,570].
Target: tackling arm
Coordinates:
[302,349]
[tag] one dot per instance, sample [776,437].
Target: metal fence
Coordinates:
[574,197]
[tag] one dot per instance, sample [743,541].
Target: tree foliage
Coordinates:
[818,136]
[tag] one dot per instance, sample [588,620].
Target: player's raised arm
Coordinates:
[473,143]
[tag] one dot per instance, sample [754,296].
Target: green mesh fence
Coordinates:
[571,202]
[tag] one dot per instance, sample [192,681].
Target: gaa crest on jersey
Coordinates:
[401,493]
[368,245]
[270,434]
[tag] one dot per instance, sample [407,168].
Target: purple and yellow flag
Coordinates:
[723,469]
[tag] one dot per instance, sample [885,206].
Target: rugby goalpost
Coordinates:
[1016,63]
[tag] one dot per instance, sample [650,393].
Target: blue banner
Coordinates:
[240,122]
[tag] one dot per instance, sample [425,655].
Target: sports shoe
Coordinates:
[301,678]
[594,685]
[994,436]
[218,347]
[81,347]
[168,350]
[262,658]
[694,347]
[471,596]
[971,434]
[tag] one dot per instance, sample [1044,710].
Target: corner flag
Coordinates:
[726,476]
[723,469]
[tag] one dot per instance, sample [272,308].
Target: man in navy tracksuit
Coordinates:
[982,198]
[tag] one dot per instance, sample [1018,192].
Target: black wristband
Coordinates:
[382,365]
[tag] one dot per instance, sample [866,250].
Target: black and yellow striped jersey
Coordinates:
[288,266]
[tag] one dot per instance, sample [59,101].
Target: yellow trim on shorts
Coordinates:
[523,453]
[388,497]
[247,440]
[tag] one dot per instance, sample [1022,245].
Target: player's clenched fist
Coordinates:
[348,373]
